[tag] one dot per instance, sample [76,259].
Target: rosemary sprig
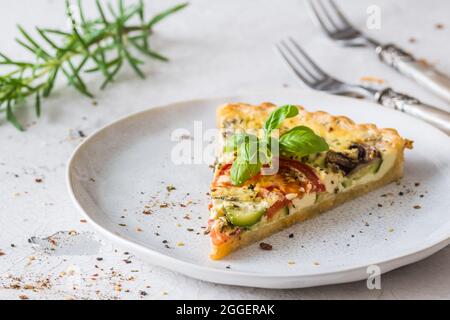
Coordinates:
[102,45]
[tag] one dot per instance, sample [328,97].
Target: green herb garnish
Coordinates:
[277,116]
[252,153]
[301,141]
[100,45]
[248,161]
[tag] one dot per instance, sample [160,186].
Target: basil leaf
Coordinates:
[235,140]
[242,170]
[248,149]
[247,163]
[301,141]
[278,116]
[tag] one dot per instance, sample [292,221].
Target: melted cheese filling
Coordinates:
[305,202]
[386,165]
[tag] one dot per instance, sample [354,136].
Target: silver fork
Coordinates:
[314,77]
[338,28]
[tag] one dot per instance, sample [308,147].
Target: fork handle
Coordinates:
[420,71]
[402,102]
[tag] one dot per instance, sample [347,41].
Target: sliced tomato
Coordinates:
[222,171]
[306,170]
[218,238]
[224,168]
[283,202]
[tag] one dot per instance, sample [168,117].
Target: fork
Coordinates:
[314,77]
[338,28]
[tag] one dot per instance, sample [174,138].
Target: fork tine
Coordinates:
[339,13]
[306,62]
[308,59]
[282,49]
[327,14]
[318,17]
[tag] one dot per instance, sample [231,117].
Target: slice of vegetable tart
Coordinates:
[280,165]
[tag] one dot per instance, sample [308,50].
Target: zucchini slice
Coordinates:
[244,214]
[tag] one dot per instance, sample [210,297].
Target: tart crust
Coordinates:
[323,123]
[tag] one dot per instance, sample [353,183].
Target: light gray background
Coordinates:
[216,48]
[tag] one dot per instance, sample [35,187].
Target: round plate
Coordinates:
[121,177]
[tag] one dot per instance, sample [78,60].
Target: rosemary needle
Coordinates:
[101,45]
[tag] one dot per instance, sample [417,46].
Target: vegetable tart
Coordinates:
[318,162]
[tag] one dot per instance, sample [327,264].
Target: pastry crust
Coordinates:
[335,129]
[323,124]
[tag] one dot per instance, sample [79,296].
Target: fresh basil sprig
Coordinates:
[235,141]
[277,117]
[301,141]
[252,153]
[248,161]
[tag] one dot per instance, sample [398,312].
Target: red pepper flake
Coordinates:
[265,246]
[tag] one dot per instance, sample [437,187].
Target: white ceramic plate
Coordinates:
[127,164]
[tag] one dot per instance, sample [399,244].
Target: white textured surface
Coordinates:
[216,48]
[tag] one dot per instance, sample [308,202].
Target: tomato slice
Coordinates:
[276,207]
[222,171]
[225,167]
[218,238]
[306,170]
